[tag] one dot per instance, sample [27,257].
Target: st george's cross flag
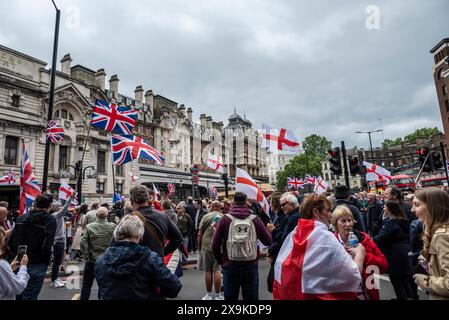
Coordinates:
[171,187]
[126,148]
[112,118]
[313,265]
[29,186]
[376,173]
[279,139]
[245,183]
[295,183]
[66,191]
[55,132]
[320,185]
[156,192]
[134,178]
[215,162]
[8,179]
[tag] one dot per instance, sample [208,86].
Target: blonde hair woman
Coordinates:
[431,206]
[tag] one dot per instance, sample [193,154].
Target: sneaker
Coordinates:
[219,296]
[57,284]
[207,297]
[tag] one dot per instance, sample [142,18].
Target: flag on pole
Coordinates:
[245,183]
[295,183]
[310,179]
[215,162]
[9,178]
[376,173]
[55,132]
[156,192]
[279,139]
[29,186]
[320,185]
[112,118]
[308,258]
[171,187]
[126,148]
[117,198]
[133,177]
[213,192]
[66,191]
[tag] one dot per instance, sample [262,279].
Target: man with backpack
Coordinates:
[36,230]
[236,249]
[205,234]
[158,226]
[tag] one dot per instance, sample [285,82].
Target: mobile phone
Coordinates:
[22,250]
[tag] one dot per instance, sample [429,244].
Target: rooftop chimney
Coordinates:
[100,78]
[66,64]
[138,94]
[182,109]
[189,114]
[113,85]
[149,100]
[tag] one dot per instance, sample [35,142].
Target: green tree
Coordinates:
[411,138]
[316,146]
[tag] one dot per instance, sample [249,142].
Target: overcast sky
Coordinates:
[312,67]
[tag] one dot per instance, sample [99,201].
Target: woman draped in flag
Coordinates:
[312,264]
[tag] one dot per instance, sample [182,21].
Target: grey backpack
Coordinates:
[242,239]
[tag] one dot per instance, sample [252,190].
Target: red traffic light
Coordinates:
[420,152]
[333,153]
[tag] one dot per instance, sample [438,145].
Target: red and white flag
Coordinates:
[245,183]
[279,139]
[376,173]
[133,177]
[215,162]
[66,191]
[156,193]
[320,185]
[9,179]
[313,265]
[171,187]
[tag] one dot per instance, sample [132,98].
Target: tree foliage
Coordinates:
[411,138]
[316,146]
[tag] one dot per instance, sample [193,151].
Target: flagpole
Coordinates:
[113,179]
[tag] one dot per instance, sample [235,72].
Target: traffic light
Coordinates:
[422,155]
[334,159]
[354,166]
[437,162]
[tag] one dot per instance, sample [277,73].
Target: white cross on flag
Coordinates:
[376,173]
[244,183]
[279,139]
[320,185]
[215,162]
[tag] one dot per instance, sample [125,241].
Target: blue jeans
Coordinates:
[37,276]
[246,277]
[58,258]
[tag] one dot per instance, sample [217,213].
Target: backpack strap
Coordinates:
[150,228]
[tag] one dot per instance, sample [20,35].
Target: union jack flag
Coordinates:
[112,118]
[213,192]
[171,188]
[295,183]
[126,148]
[54,131]
[310,179]
[9,179]
[29,186]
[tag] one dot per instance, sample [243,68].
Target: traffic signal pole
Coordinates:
[422,168]
[345,165]
[443,154]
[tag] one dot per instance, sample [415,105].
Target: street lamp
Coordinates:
[52,96]
[370,143]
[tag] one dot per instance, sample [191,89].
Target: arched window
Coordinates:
[63,114]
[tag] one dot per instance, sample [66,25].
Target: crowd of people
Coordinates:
[138,249]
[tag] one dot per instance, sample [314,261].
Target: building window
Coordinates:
[64,114]
[100,187]
[119,170]
[63,157]
[447,105]
[56,115]
[119,188]
[11,147]
[444,89]
[101,162]
[15,100]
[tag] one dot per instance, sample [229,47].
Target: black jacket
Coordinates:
[36,230]
[355,213]
[407,208]
[287,224]
[166,230]
[374,218]
[393,241]
[128,271]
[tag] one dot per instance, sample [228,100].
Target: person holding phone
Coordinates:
[12,284]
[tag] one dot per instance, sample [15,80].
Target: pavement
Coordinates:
[193,284]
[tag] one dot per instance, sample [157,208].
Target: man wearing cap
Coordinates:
[342,197]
